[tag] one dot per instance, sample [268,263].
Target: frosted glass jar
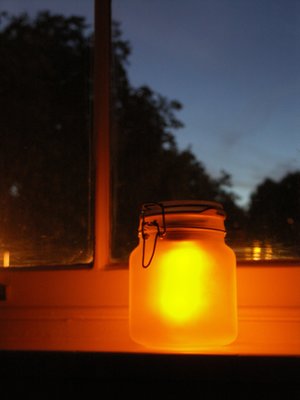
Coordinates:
[182,278]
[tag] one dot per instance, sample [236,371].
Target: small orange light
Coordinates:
[182,278]
[6,259]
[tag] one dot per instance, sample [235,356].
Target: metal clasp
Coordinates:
[160,230]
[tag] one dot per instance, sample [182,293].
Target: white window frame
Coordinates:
[87,309]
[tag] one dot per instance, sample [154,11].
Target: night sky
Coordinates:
[233,64]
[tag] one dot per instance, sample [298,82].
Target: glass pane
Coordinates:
[206,106]
[45,126]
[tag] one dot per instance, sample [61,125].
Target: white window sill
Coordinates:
[268,300]
[261,332]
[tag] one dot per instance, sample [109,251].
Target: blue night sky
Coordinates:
[233,64]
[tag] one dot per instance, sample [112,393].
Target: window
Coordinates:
[46,169]
[46,160]
[86,308]
[207,106]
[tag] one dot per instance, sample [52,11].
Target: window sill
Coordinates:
[268,300]
[261,331]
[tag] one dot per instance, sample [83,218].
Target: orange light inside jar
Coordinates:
[181,293]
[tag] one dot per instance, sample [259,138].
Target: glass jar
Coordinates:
[182,278]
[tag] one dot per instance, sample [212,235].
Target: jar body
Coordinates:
[186,298]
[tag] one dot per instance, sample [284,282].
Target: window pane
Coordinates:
[206,106]
[45,164]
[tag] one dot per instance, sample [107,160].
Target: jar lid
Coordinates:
[178,214]
[181,206]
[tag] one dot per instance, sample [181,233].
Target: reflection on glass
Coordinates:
[45,172]
[6,259]
[232,132]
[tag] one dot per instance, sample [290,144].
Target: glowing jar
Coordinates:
[182,291]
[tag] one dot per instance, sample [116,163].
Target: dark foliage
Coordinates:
[274,211]
[44,125]
[45,163]
[147,163]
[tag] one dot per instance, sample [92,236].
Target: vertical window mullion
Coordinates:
[101,132]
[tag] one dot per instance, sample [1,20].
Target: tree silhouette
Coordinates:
[148,165]
[274,212]
[45,160]
[44,125]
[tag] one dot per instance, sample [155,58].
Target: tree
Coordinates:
[45,146]
[274,211]
[148,165]
[44,125]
